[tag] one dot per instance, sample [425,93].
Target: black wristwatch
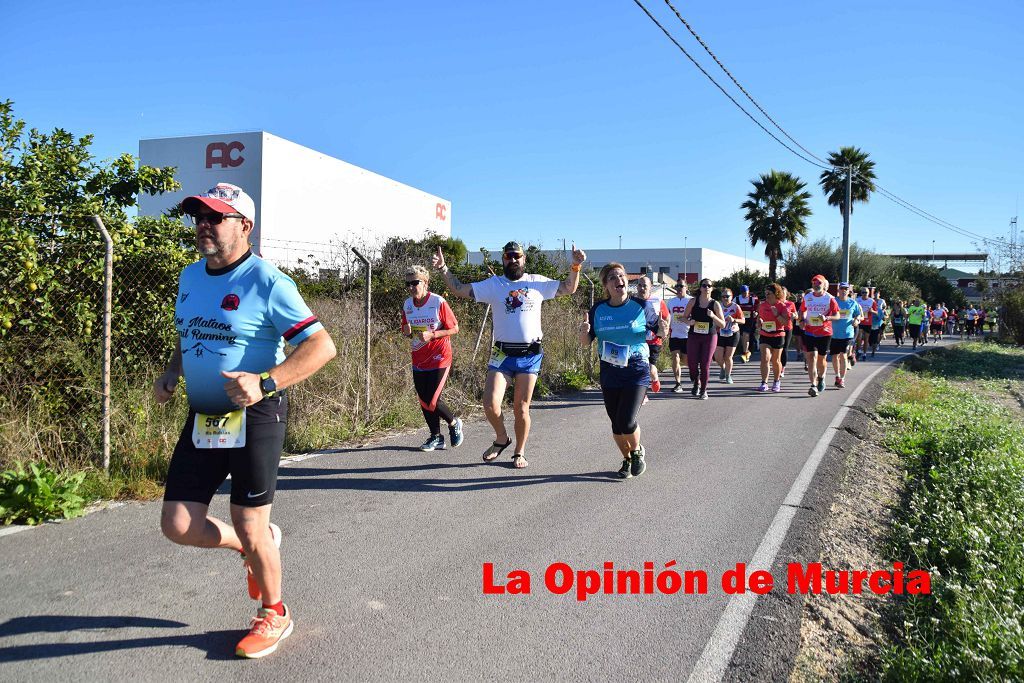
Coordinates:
[267,385]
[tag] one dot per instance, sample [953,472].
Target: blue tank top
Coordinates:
[235,318]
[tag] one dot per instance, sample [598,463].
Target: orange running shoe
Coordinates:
[268,630]
[250,578]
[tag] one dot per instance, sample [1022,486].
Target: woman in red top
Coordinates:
[773,316]
[428,321]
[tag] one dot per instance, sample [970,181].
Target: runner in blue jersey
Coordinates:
[843,331]
[620,326]
[234,312]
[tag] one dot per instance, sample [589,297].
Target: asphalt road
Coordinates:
[384,548]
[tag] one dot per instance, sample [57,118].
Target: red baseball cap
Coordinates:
[820,277]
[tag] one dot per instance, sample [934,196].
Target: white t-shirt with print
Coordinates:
[516,305]
[678,329]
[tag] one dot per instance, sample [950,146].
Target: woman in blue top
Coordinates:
[619,324]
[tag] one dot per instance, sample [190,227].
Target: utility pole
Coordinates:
[620,243]
[844,275]
[686,264]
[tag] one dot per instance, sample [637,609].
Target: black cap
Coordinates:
[514,246]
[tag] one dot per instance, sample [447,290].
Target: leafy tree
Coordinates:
[757,282]
[776,212]
[53,254]
[895,278]
[833,180]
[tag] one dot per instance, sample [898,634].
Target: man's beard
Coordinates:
[513,271]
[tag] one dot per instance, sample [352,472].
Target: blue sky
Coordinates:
[575,119]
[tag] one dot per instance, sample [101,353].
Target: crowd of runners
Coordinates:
[235,312]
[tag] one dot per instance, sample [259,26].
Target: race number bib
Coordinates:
[816,321]
[678,318]
[701,327]
[416,341]
[844,313]
[219,431]
[497,358]
[768,325]
[615,354]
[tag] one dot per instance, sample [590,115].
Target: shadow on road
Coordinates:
[218,645]
[60,623]
[298,478]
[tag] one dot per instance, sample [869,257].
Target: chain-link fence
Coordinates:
[52,393]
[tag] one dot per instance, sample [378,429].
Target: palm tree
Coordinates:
[776,212]
[833,181]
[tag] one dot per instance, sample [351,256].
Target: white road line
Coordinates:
[722,644]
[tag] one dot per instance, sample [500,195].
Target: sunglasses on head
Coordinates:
[212,218]
[412,283]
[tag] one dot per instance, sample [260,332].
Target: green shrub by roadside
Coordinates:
[33,494]
[953,421]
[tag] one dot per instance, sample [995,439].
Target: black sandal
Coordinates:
[495,450]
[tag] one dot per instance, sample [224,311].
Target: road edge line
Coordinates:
[718,651]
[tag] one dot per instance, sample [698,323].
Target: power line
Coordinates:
[742,89]
[724,92]
[825,164]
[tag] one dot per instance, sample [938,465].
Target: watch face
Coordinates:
[268,385]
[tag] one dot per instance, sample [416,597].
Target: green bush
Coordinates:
[35,494]
[1011,314]
[961,518]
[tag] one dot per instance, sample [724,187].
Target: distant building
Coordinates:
[968,283]
[664,265]
[310,207]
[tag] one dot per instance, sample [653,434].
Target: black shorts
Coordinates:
[915,331]
[675,344]
[874,336]
[747,325]
[838,345]
[655,353]
[195,474]
[937,327]
[864,329]
[773,342]
[819,344]
[729,341]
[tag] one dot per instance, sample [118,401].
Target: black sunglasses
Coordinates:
[212,218]
[512,255]
[412,283]
[707,285]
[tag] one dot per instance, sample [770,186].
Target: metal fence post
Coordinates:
[591,282]
[366,355]
[108,285]
[480,336]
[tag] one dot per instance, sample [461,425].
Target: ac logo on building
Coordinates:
[441,212]
[220,153]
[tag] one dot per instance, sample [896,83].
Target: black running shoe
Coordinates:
[455,433]
[435,442]
[637,465]
[694,391]
[624,471]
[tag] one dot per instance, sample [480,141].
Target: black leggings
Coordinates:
[785,346]
[429,385]
[622,404]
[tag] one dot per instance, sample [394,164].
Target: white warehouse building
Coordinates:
[310,207]
[693,263]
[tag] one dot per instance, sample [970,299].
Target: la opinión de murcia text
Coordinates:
[562,579]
